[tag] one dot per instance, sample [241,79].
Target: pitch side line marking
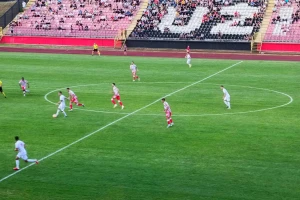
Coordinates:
[111,123]
[187,115]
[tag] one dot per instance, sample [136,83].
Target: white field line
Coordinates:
[111,123]
[186,115]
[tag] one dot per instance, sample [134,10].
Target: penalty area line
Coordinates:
[114,122]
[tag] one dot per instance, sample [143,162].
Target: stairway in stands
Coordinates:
[121,37]
[264,26]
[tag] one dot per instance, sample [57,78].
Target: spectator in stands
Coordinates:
[222,19]
[220,34]
[278,19]
[128,13]
[23,4]
[33,8]
[86,28]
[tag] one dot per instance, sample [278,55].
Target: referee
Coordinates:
[1,89]
[95,49]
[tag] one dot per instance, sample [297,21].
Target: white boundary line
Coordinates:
[111,123]
[186,115]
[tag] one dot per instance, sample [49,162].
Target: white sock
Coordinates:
[57,112]
[64,113]
[31,160]
[17,163]
[228,104]
[225,103]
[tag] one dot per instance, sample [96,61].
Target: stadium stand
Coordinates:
[284,23]
[75,18]
[200,20]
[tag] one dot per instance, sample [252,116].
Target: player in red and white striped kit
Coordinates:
[116,96]
[23,83]
[168,112]
[134,70]
[73,99]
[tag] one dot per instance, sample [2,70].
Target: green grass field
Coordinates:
[249,152]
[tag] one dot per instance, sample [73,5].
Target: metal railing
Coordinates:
[54,32]
[284,37]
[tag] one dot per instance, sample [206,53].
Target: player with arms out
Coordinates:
[188,59]
[95,49]
[22,153]
[226,97]
[23,84]
[168,112]
[1,89]
[134,70]
[73,99]
[116,96]
[61,104]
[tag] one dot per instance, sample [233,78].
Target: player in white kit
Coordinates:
[116,96]
[22,153]
[73,99]
[188,59]
[226,97]
[168,112]
[23,84]
[61,104]
[134,70]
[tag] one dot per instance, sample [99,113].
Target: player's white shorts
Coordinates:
[23,156]
[227,98]
[61,107]
[188,61]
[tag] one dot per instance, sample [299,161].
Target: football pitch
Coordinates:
[251,151]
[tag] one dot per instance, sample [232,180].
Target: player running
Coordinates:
[73,99]
[226,97]
[23,84]
[188,59]
[168,112]
[95,49]
[1,89]
[134,70]
[116,96]
[61,104]
[22,153]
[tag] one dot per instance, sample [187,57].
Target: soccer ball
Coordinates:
[54,115]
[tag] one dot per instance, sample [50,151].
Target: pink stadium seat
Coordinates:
[284,31]
[38,26]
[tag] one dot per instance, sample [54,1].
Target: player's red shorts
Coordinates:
[168,115]
[74,100]
[117,97]
[23,88]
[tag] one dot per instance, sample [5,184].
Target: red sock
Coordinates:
[113,101]
[80,104]
[71,106]
[137,77]
[168,121]
[121,104]
[171,120]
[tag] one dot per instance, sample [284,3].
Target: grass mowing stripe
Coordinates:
[71,144]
